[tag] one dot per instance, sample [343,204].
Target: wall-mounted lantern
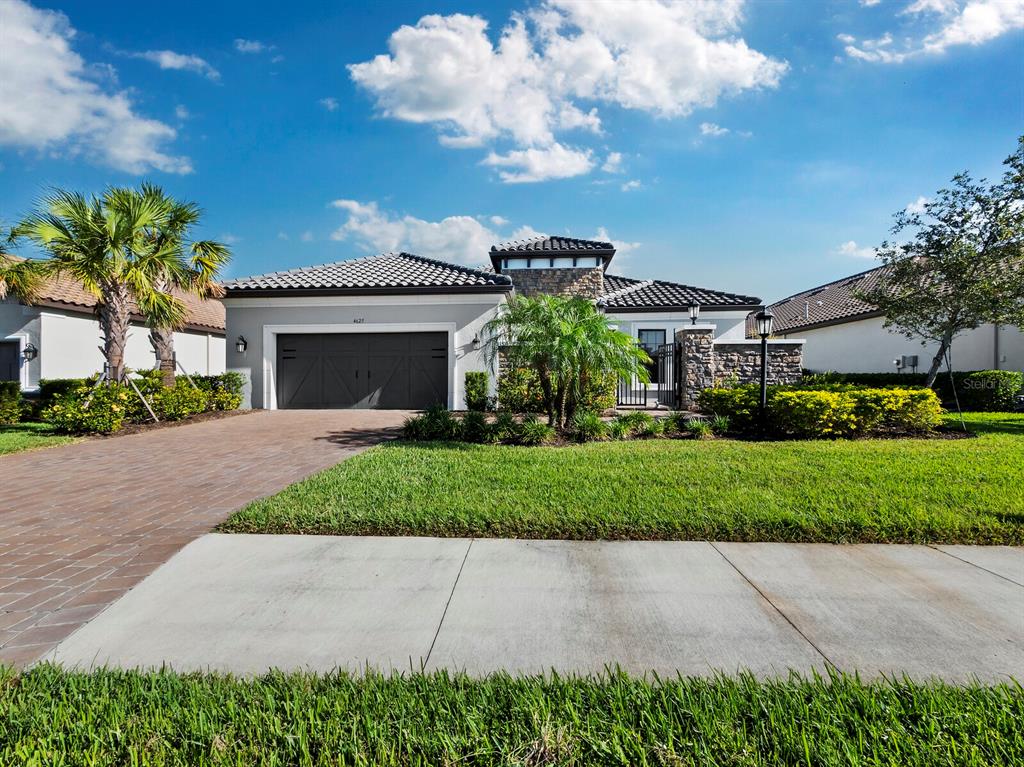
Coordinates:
[694,313]
[241,345]
[30,352]
[476,341]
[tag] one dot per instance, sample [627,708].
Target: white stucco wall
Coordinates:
[69,344]
[865,346]
[728,325]
[260,320]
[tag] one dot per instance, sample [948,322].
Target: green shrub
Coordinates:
[10,402]
[475,427]
[619,429]
[991,390]
[436,423]
[698,428]
[519,391]
[675,422]
[505,428]
[180,401]
[720,424]
[414,428]
[588,427]
[636,419]
[649,428]
[107,409]
[224,391]
[813,413]
[50,389]
[740,404]
[476,390]
[533,432]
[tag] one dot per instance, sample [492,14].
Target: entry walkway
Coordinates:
[83,523]
[244,603]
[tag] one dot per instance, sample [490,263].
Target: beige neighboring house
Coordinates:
[61,335]
[846,335]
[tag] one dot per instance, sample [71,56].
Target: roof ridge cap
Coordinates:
[459,267]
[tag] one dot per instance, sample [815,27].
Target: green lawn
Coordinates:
[54,717]
[28,436]
[909,490]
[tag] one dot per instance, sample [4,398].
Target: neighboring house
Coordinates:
[846,335]
[400,331]
[64,333]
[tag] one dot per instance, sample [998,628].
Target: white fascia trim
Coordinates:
[22,340]
[738,341]
[270,333]
[441,299]
[679,316]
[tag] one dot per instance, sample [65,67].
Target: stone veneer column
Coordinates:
[742,359]
[587,282]
[697,357]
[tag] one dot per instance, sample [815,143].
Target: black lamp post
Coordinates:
[694,313]
[763,320]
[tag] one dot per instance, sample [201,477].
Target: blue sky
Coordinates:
[754,147]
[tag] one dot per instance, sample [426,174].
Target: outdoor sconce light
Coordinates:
[476,341]
[241,345]
[30,352]
[694,313]
[763,320]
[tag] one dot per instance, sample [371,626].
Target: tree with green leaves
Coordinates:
[963,265]
[104,243]
[205,258]
[567,342]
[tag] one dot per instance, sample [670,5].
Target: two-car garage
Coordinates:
[405,371]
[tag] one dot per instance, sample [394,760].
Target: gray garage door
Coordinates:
[394,371]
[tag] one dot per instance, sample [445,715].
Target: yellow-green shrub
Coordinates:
[813,413]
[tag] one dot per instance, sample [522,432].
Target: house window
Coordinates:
[650,340]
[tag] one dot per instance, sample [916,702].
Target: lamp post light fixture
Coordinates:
[30,352]
[241,345]
[763,320]
[694,313]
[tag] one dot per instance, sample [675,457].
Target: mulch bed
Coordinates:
[139,428]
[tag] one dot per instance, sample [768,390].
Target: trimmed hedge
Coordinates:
[10,402]
[519,391]
[984,390]
[52,388]
[825,412]
[991,390]
[476,390]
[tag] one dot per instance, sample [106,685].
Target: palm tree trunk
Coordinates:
[940,355]
[115,319]
[162,339]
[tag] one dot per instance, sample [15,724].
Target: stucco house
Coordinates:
[844,334]
[400,331]
[59,337]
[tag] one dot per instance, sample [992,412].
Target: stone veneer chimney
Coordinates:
[561,266]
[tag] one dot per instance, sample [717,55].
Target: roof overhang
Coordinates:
[680,308]
[830,323]
[136,319]
[376,291]
[542,256]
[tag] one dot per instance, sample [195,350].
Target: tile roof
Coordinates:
[64,292]
[549,245]
[827,304]
[389,272]
[626,294]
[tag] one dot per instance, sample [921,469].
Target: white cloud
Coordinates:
[229,239]
[277,59]
[498,220]
[306,236]
[961,23]
[869,3]
[917,206]
[283,236]
[850,248]
[181,61]
[631,186]
[461,239]
[552,64]
[554,161]
[623,250]
[181,112]
[711,129]
[329,103]
[48,101]
[251,46]
[613,163]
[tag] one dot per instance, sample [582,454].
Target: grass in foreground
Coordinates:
[907,490]
[29,436]
[49,716]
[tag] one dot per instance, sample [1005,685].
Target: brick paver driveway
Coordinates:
[83,523]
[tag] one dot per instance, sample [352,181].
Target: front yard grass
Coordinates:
[895,491]
[27,436]
[50,716]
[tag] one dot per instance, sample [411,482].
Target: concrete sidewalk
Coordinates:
[245,603]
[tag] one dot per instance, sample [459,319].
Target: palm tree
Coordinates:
[205,258]
[567,342]
[101,243]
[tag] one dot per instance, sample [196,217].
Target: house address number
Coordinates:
[359,320]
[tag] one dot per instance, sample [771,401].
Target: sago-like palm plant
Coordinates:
[567,342]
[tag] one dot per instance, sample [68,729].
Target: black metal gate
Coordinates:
[668,362]
[631,393]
